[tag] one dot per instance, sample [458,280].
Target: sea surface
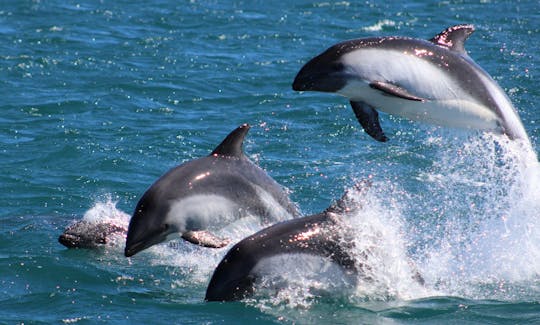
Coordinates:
[100,98]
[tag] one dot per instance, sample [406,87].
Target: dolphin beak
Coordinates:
[135,244]
[301,82]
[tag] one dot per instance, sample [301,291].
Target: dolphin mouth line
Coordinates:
[134,249]
[147,241]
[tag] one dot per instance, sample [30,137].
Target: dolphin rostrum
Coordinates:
[433,81]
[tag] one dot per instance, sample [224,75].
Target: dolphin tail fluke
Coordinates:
[205,238]
[369,119]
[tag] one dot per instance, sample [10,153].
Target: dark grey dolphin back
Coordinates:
[232,147]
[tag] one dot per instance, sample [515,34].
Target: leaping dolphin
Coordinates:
[433,81]
[321,234]
[204,195]
[324,234]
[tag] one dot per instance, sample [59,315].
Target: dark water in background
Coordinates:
[100,99]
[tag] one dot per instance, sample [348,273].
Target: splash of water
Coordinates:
[106,212]
[471,229]
[379,247]
[380,242]
[484,241]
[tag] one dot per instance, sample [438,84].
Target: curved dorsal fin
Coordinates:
[347,202]
[454,37]
[232,145]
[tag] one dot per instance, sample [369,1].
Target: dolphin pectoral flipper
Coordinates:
[205,238]
[369,119]
[394,90]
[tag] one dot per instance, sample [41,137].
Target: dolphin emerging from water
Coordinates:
[204,195]
[325,234]
[322,234]
[433,81]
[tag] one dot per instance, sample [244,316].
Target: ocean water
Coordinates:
[100,98]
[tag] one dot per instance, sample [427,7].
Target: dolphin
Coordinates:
[320,234]
[85,234]
[432,81]
[206,194]
[325,234]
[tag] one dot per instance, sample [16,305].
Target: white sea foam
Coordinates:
[377,27]
[107,212]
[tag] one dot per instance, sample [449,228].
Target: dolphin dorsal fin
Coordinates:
[454,37]
[348,202]
[231,146]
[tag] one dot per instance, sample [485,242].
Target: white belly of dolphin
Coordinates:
[202,211]
[460,113]
[447,103]
[302,268]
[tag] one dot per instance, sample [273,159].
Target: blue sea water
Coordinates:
[100,98]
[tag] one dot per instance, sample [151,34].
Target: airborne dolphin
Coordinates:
[433,81]
[206,194]
[324,234]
